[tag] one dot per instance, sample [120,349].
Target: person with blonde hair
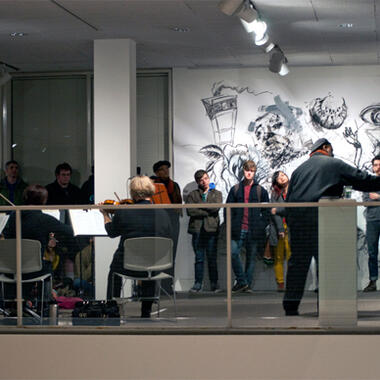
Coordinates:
[135,223]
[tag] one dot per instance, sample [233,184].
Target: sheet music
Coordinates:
[87,222]
[3,221]
[54,213]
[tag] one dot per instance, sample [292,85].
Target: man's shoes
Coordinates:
[248,290]
[215,288]
[371,287]
[197,287]
[280,287]
[239,288]
[290,312]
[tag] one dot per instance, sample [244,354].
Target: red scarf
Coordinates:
[319,151]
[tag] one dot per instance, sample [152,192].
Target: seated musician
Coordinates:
[135,223]
[36,225]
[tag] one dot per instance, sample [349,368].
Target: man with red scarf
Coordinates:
[321,175]
[161,171]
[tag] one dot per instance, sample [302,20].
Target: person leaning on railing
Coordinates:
[321,175]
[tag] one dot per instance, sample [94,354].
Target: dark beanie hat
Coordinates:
[319,143]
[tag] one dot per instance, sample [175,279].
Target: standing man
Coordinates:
[12,186]
[373,230]
[248,226]
[203,226]
[161,171]
[321,175]
[62,191]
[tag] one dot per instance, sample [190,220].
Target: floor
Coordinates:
[206,311]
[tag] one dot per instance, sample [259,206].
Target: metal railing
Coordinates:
[227,206]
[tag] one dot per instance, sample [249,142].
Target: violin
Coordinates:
[110,202]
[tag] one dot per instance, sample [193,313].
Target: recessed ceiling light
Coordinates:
[346,25]
[181,29]
[18,34]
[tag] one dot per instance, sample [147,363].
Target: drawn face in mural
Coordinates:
[276,133]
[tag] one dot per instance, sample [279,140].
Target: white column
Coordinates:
[337,265]
[114,135]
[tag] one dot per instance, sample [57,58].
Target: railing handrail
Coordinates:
[332,203]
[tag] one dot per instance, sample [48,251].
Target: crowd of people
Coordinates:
[276,235]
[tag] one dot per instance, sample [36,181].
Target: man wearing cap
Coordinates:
[372,216]
[321,175]
[161,171]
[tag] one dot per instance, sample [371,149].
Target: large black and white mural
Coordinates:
[224,117]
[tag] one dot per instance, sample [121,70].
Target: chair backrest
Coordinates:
[148,254]
[30,256]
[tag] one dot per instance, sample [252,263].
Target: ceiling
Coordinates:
[60,33]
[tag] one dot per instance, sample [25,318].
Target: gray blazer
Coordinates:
[208,218]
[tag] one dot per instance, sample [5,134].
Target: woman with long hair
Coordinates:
[278,239]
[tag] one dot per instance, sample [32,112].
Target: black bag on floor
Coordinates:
[96,313]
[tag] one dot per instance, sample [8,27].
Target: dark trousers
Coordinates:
[204,244]
[303,229]
[373,234]
[147,287]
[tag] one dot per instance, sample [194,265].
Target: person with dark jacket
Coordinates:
[162,175]
[12,186]
[36,225]
[321,175]
[248,226]
[132,224]
[203,226]
[62,191]
[278,236]
[372,216]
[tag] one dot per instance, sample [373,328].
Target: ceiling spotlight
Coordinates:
[284,68]
[231,7]
[278,61]
[240,8]
[257,26]
[268,46]
[261,41]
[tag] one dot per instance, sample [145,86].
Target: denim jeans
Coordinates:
[373,234]
[243,276]
[204,243]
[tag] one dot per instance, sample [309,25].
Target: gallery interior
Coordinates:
[114,86]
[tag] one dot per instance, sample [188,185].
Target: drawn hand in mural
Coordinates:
[328,112]
[226,162]
[353,139]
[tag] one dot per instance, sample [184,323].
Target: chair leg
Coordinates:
[174,299]
[113,279]
[159,298]
[42,300]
